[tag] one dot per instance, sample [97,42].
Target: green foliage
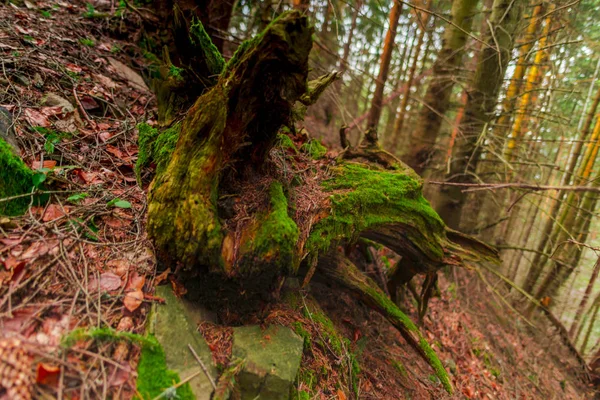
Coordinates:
[117,202]
[105,335]
[90,11]
[15,179]
[76,198]
[199,37]
[286,142]
[175,72]
[46,14]
[314,148]
[87,42]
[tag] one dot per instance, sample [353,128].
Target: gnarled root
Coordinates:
[335,267]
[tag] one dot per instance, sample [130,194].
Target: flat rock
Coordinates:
[272,359]
[174,326]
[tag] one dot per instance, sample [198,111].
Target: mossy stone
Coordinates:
[174,326]
[272,359]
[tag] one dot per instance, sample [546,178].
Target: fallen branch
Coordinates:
[494,186]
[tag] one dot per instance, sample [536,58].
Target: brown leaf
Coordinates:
[47,374]
[89,103]
[136,281]
[109,281]
[119,266]
[125,325]
[46,164]
[162,277]
[133,300]
[54,211]
[106,81]
[178,288]
[36,118]
[341,395]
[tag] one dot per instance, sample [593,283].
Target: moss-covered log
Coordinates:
[227,202]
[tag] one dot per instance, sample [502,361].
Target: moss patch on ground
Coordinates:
[154,377]
[15,179]
[314,149]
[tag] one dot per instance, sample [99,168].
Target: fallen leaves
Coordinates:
[47,374]
[129,75]
[133,300]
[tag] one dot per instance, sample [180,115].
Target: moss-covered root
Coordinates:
[15,179]
[342,271]
[270,241]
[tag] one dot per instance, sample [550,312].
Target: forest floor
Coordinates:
[70,76]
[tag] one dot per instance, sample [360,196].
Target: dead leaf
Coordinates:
[136,281]
[132,77]
[178,288]
[89,103]
[46,164]
[162,277]
[109,281]
[133,300]
[54,211]
[106,81]
[47,374]
[73,68]
[125,325]
[114,151]
[36,118]
[119,266]
[341,395]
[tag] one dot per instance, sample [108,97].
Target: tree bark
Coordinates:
[482,100]
[437,97]
[384,66]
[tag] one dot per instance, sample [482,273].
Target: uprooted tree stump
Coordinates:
[234,200]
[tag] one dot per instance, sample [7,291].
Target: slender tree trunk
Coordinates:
[384,66]
[593,318]
[437,97]
[508,104]
[399,123]
[588,291]
[480,105]
[532,81]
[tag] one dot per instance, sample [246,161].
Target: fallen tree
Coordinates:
[235,201]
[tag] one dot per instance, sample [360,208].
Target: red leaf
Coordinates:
[89,103]
[133,300]
[110,281]
[47,374]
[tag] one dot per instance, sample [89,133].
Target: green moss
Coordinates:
[364,198]
[286,142]
[103,334]
[199,37]
[277,235]
[314,149]
[400,368]
[175,72]
[15,179]
[155,146]
[303,333]
[153,375]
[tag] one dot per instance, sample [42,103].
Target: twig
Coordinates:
[494,186]
[212,382]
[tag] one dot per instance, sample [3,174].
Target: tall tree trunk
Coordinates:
[483,97]
[384,66]
[575,327]
[510,98]
[530,85]
[437,97]
[399,123]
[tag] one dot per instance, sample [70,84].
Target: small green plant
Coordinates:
[46,14]
[90,11]
[87,42]
[175,72]
[117,202]
[16,54]
[115,49]
[76,198]
[29,39]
